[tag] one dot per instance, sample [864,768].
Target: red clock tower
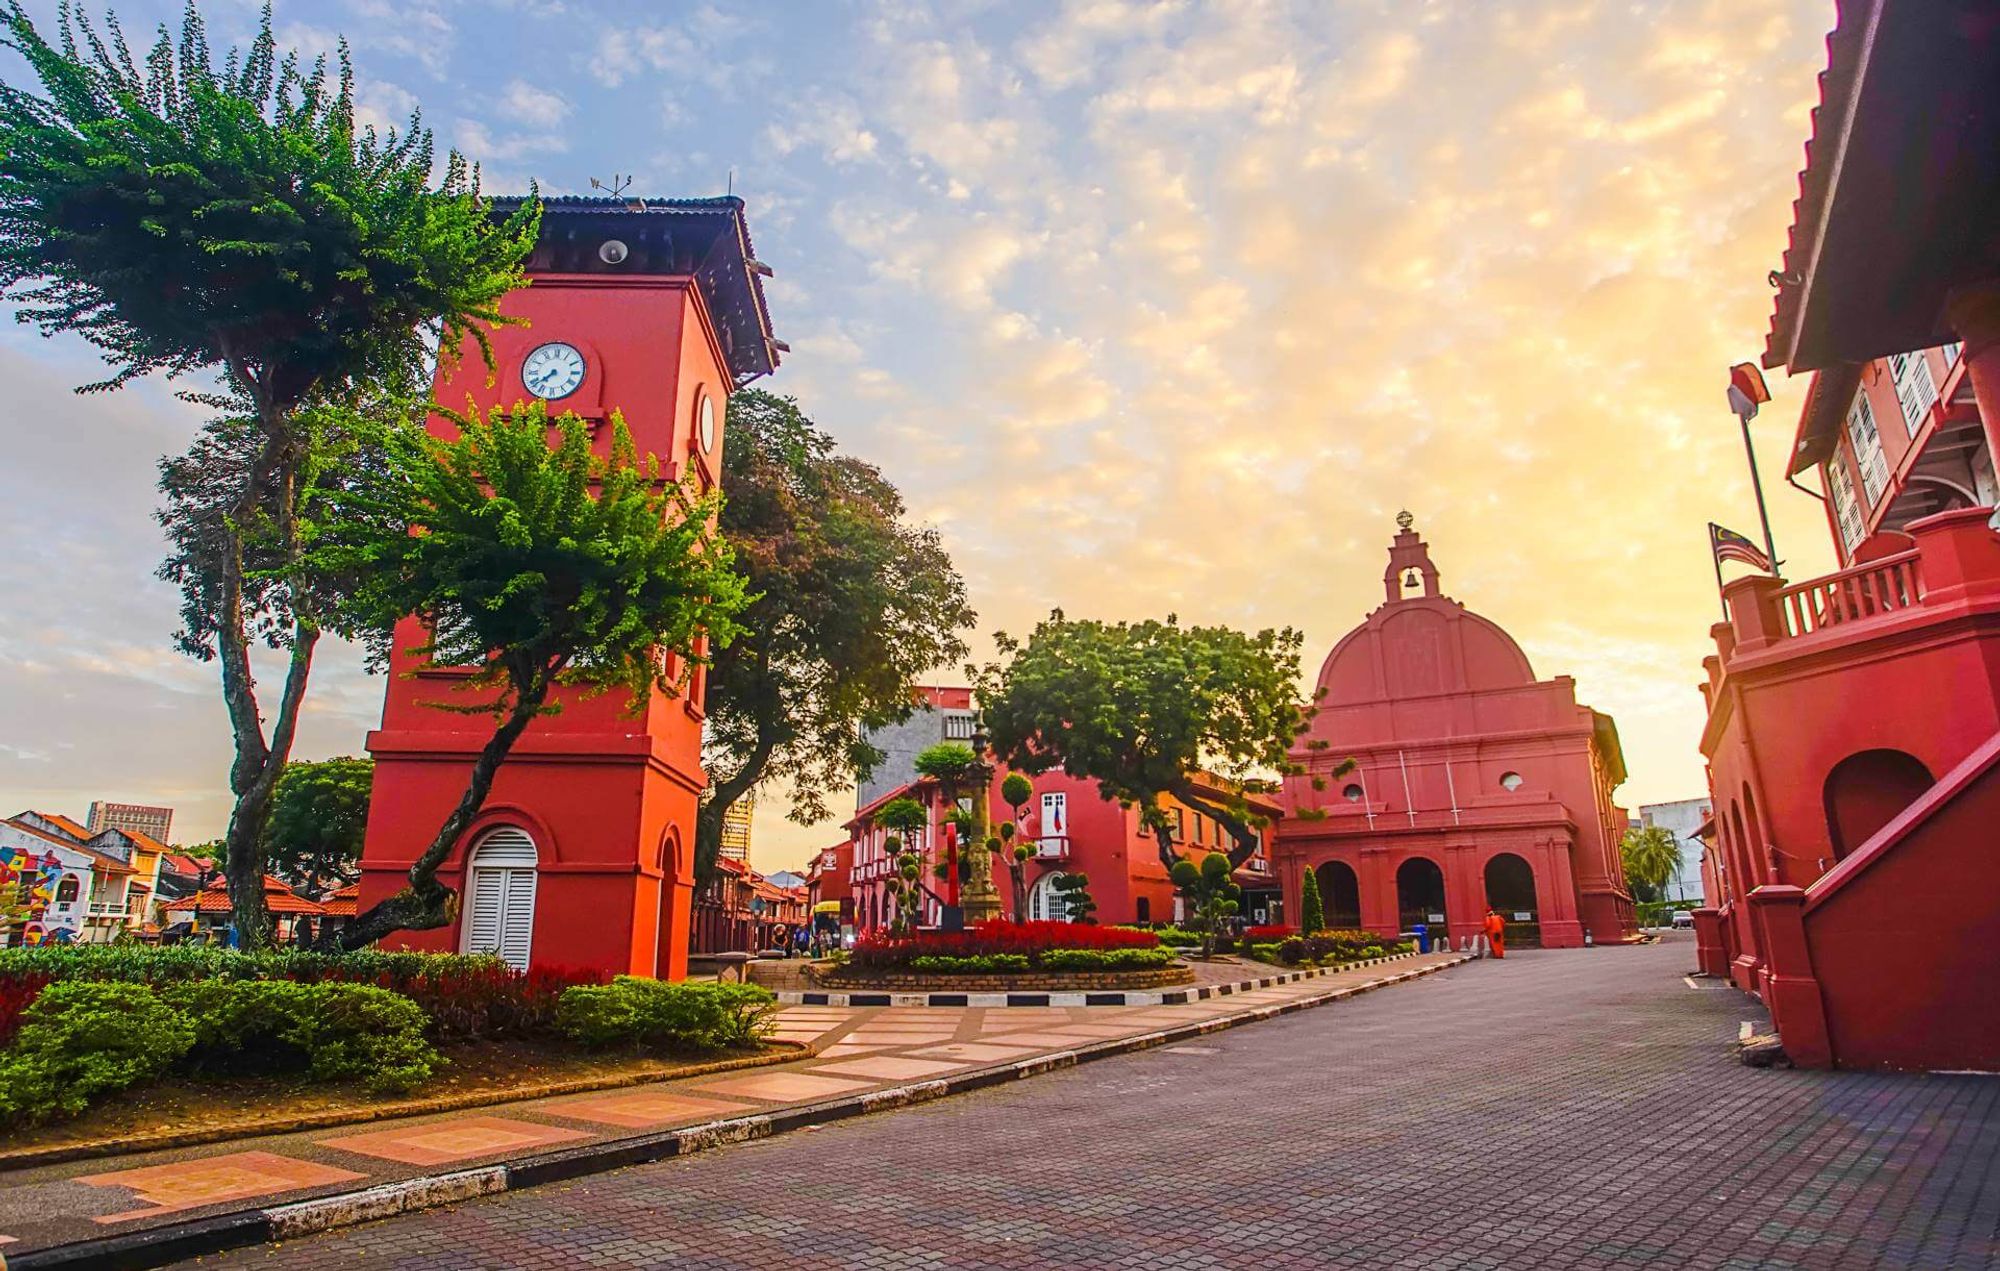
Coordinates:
[584,853]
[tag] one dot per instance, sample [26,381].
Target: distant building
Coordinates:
[156,823]
[1683,819]
[945,714]
[736,828]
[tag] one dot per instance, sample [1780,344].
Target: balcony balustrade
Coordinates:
[1853,594]
[1053,848]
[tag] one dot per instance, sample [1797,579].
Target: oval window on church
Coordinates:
[1510,781]
[1352,794]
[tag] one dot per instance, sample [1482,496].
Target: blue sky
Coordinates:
[1148,306]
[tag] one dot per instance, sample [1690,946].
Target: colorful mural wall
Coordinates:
[34,879]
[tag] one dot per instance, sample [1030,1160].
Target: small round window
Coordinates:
[1510,781]
[1352,794]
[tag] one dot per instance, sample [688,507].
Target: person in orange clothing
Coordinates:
[1496,933]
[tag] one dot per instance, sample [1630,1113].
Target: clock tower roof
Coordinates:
[707,239]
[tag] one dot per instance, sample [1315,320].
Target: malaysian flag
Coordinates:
[1729,545]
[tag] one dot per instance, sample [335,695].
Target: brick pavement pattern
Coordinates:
[1555,1110]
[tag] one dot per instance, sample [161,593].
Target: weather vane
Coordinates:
[617,186]
[1404,521]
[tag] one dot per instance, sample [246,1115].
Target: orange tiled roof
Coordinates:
[65,824]
[278,898]
[345,903]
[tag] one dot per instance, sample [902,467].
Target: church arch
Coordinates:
[1420,894]
[1339,895]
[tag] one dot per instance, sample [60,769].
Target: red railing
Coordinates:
[1862,591]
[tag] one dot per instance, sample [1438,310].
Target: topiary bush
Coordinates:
[1106,959]
[333,1031]
[81,1040]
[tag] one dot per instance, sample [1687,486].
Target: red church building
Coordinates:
[1473,784]
[583,854]
[1853,733]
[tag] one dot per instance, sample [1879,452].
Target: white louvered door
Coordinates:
[500,900]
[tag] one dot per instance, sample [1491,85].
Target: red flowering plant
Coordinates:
[17,993]
[888,952]
[1269,932]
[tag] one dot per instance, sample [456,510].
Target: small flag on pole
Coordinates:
[1729,545]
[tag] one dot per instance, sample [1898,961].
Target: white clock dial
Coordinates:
[552,371]
[707,424]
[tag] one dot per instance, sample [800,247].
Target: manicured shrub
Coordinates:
[1178,938]
[655,1013]
[334,1031]
[465,997]
[1312,912]
[977,964]
[1293,951]
[81,1040]
[1105,959]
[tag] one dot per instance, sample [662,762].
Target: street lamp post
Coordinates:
[1746,393]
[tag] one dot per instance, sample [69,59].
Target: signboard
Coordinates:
[1435,917]
[1521,917]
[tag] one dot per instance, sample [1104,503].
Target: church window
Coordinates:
[1353,793]
[1511,781]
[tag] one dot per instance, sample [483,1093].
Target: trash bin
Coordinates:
[1422,932]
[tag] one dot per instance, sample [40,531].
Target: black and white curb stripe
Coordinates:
[174,1242]
[1108,997]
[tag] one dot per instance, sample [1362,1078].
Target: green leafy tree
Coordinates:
[1213,898]
[530,565]
[319,817]
[233,221]
[1141,708]
[1312,910]
[851,607]
[904,818]
[1652,858]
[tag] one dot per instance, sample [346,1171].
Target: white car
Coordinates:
[1683,918]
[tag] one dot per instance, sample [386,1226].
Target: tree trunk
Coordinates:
[254,773]
[722,795]
[1241,835]
[427,904]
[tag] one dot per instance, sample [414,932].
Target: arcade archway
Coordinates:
[1510,892]
[1339,895]
[1420,894]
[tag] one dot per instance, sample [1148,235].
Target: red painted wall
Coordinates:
[1786,710]
[609,798]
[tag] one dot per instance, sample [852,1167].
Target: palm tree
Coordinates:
[1652,859]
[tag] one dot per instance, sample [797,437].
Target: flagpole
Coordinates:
[1746,391]
[1715,559]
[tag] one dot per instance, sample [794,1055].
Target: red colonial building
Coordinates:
[1473,784]
[583,854]
[1853,734]
[1073,828]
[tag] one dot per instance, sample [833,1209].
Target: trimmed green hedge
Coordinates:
[654,1013]
[81,1038]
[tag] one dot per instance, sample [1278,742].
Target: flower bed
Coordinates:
[1324,948]
[1022,946]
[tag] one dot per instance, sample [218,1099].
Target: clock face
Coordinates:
[707,424]
[552,371]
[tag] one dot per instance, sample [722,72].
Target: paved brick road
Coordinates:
[1554,1110]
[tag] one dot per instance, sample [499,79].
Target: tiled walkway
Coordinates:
[1558,1110]
[859,1050]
